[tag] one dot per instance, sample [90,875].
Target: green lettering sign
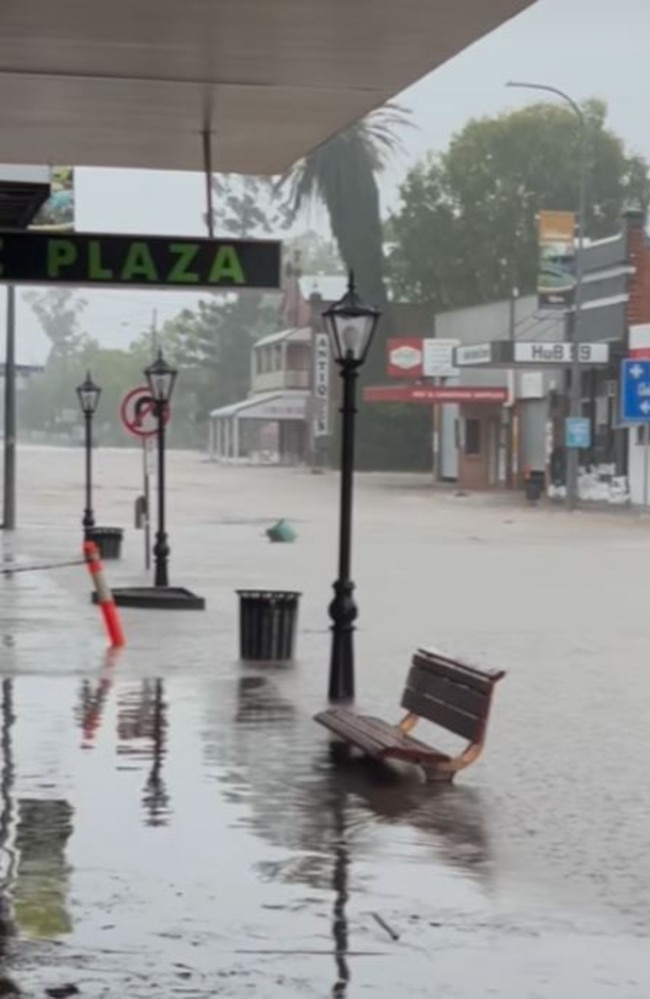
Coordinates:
[60,253]
[139,264]
[137,261]
[95,270]
[185,254]
[226,266]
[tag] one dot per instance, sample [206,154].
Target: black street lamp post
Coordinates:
[351,326]
[88,394]
[161,378]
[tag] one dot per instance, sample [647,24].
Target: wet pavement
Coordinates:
[171,823]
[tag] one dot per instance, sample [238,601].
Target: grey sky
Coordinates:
[587,47]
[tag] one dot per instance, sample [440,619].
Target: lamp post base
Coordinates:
[161,560]
[343,612]
[88,522]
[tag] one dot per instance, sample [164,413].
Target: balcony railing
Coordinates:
[267,381]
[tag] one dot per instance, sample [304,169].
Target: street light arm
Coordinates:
[582,207]
[550,90]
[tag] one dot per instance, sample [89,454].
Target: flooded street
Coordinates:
[171,823]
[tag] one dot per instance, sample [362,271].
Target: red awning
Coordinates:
[435,394]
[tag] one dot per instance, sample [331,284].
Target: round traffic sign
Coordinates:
[137,412]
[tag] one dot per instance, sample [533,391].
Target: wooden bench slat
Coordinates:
[377,737]
[453,719]
[371,730]
[481,680]
[456,693]
[352,727]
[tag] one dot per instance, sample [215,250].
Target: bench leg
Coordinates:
[437,773]
[446,770]
[339,750]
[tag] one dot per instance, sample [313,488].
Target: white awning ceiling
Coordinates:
[301,334]
[133,83]
[266,406]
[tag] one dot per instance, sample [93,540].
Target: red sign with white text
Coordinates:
[404,357]
[434,394]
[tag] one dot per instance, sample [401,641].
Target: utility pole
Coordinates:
[511,450]
[9,479]
[154,332]
[573,315]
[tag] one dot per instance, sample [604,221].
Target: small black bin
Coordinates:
[534,486]
[267,624]
[108,540]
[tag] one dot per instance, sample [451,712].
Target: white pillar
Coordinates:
[235,437]
[219,439]
[211,435]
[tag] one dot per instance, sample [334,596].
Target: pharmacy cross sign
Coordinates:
[635,391]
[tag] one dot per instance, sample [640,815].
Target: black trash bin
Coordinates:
[267,624]
[534,486]
[108,540]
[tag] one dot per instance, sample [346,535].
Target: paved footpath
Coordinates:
[170,821]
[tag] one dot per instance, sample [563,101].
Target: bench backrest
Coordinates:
[451,694]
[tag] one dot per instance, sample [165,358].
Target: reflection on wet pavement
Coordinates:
[40,886]
[173,823]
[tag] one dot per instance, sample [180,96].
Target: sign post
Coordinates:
[137,413]
[635,407]
[320,402]
[646,462]
[147,463]
[143,417]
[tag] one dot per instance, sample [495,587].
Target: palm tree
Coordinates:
[342,175]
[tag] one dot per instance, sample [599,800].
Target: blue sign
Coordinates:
[577,432]
[635,391]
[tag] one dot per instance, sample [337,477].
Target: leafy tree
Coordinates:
[342,174]
[58,311]
[245,206]
[49,399]
[465,231]
[211,348]
[316,254]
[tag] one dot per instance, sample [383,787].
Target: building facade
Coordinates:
[614,322]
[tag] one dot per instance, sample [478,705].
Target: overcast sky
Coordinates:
[586,47]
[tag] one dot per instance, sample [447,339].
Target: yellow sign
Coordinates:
[557,259]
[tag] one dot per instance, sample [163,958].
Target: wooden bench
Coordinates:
[453,695]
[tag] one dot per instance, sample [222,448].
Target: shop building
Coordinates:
[515,345]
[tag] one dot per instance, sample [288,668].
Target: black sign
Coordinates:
[138,261]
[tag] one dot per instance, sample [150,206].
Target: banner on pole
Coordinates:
[321,410]
[57,214]
[556,279]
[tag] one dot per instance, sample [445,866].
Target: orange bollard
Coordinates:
[104,595]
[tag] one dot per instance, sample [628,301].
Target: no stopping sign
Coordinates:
[138,413]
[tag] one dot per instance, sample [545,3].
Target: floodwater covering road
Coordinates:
[171,823]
